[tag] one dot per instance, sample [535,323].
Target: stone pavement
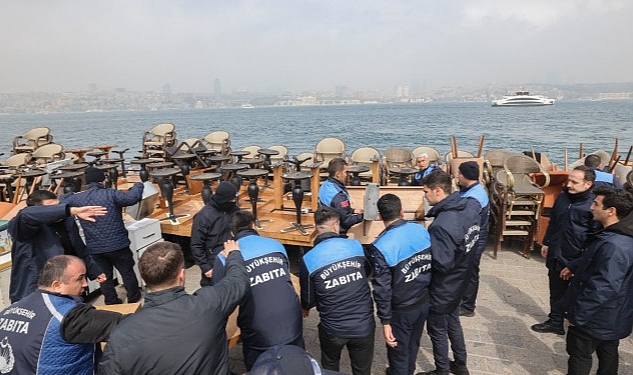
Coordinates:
[513,295]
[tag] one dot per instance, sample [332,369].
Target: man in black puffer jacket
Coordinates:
[107,239]
[211,228]
[600,296]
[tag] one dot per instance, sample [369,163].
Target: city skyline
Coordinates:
[281,46]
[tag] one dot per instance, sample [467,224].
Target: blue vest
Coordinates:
[32,342]
[344,248]
[328,191]
[478,192]
[403,242]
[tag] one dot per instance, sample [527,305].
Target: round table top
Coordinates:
[217,158]
[142,161]
[106,166]
[104,147]
[113,160]
[160,164]
[301,175]
[74,167]
[357,168]
[206,176]
[34,173]
[205,152]
[234,167]
[239,153]
[120,151]
[252,161]
[183,156]
[249,173]
[96,154]
[79,150]
[164,172]
[67,174]
[267,152]
[403,170]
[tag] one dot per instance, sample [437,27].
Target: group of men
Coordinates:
[588,249]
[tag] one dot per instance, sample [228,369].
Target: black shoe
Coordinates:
[434,372]
[134,300]
[458,368]
[465,312]
[118,301]
[549,327]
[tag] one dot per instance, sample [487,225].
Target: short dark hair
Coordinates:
[38,196]
[439,179]
[336,165]
[325,214]
[240,221]
[389,206]
[593,161]
[55,269]
[161,263]
[621,200]
[590,174]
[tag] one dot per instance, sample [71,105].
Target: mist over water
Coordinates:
[548,129]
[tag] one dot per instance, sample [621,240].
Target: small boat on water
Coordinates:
[522,99]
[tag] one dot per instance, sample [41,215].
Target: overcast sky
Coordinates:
[57,45]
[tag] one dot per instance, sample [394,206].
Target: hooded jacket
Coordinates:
[454,240]
[570,223]
[107,233]
[600,296]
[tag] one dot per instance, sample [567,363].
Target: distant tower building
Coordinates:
[167,90]
[217,89]
[341,91]
[405,91]
[398,91]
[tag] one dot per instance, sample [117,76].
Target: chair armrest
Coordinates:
[16,141]
[547,180]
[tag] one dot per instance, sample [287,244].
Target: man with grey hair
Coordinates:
[424,164]
[51,331]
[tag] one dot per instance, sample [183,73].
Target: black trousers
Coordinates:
[407,327]
[581,346]
[124,262]
[472,287]
[442,328]
[361,352]
[557,289]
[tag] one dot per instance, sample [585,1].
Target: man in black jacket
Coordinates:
[175,332]
[210,228]
[454,240]
[334,279]
[41,230]
[51,331]
[570,223]
[600,297]
[401,257]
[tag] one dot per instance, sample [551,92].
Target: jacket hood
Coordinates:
[453,202]
[624,226]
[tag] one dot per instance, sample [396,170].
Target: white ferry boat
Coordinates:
[522,99]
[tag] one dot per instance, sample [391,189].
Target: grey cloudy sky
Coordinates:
[292,44]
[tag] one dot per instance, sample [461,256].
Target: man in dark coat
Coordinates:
[334,279]
[454,240]
[425,168]
[333,193]
[211,228]
[107,239]
[570,223]
[177,333]
[51,331]
[600,296]
[41,230]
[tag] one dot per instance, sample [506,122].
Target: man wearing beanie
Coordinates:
[106,238]
[211,228]
[475,193]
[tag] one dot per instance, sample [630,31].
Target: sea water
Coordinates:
[550,129]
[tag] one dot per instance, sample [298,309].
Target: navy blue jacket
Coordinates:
[334,194]
[419,175]
[108,232]
[48,333]
[478,193]
[209,231]
[600,296]
[333,277]
[454,240]
[177,333]
[401,256]
[270,313]
[37,233]
[570,223]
